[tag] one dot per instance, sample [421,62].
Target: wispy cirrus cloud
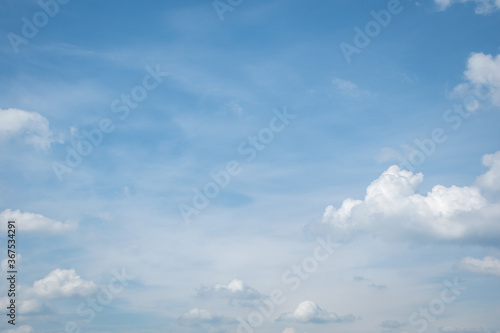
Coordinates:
[482,6]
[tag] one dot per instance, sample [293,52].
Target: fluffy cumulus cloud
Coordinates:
[310,312]
[392,209]
[236,291]
[63,283]
[487,265]
[491,179]
[32,126]
[200,317]
[482,6]
[27,222]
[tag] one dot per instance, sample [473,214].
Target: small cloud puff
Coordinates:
[289,330]
[235,290]
[349,88]
[483,81]
[310,312]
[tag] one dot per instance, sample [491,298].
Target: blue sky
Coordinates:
[204,166]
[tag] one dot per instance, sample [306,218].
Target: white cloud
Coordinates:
[487,265]
[348,88]
[22,329]
[32,126]
[63,283]
[484,69]
[392,209]
[491,179]
[482,6]
[483,80]
[235,290]
[198,317]
[27,222]
[310,312]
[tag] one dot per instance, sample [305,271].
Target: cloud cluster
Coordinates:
[236,291]
[32,126]
[63,283]
[487,265]
[310,312]
[482,6]
[36,222]
[393,210]
[199,317]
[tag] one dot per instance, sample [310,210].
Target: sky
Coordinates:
[251,166]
